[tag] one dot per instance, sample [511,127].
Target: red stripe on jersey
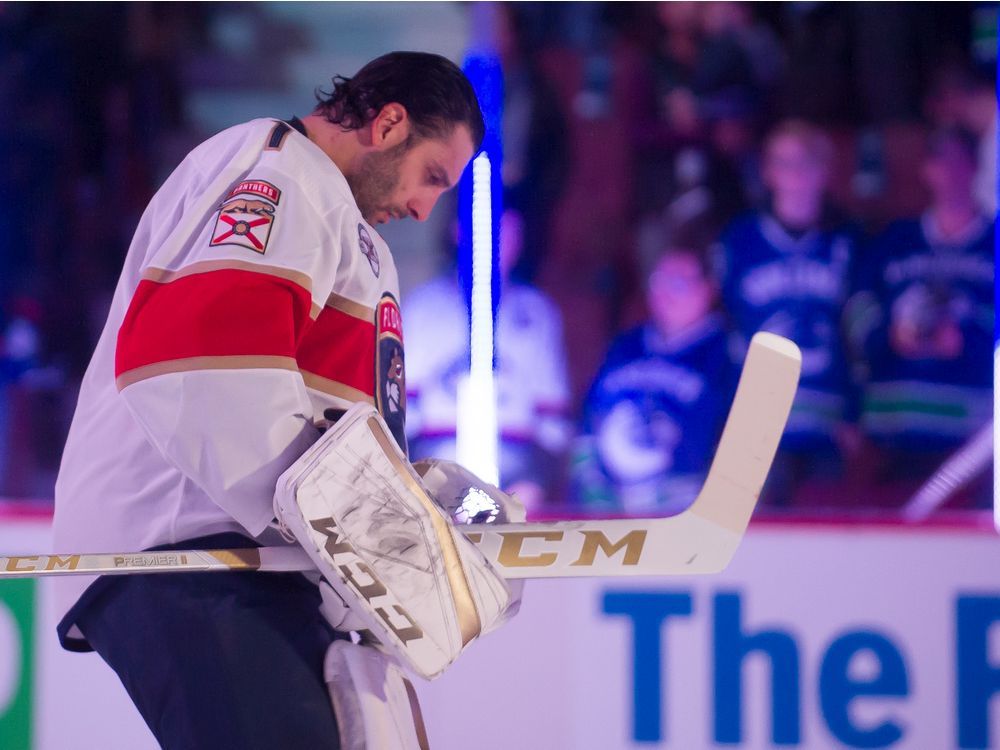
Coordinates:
[225,312]
[340,347]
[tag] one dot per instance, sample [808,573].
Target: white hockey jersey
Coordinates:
[253,299]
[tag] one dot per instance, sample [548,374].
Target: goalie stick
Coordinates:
[700,540]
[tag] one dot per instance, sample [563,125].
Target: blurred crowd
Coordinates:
[682,175]
[677,176]
[91,122]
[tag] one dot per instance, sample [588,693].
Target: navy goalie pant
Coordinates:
[219,660]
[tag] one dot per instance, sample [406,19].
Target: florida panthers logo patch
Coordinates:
[368,249]
[390,367]
[244,220]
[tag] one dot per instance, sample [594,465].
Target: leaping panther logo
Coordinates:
[244,206]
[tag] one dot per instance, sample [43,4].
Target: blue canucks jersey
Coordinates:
[652,419]
[922,321]
[794,286]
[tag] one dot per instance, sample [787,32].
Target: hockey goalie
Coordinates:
[256,303]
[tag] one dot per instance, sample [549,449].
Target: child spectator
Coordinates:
[960,96]
[655,411]
[786,269]
[922,322]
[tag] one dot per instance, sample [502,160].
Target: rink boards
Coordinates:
[815,637]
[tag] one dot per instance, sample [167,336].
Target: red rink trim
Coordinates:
[340,347]
[227,312]
[16,510]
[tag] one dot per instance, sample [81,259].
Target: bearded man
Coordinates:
[257,302]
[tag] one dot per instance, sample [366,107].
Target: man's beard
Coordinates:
[376,180]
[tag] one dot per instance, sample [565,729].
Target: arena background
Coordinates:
[843,621]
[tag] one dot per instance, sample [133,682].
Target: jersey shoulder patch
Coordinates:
[247,216]
[368,249]
[390,367]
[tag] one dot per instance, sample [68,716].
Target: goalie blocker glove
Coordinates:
[414,585]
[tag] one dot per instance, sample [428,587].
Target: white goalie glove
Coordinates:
[412,584]
[465,497]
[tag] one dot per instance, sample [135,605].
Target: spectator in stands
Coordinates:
[818,81]
[696,99]
[922,323]
[960,96]
[979,115]
[786,269]
[535,148]
[532,390]
[662,116]
[655,411]
[703,183]
[739,57]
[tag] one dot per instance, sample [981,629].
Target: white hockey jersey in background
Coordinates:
[253,298]
[532,385]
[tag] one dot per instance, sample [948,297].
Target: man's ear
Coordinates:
[390,127]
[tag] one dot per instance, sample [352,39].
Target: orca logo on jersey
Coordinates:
[390,367]
[368,249]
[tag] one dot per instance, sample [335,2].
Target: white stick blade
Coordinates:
[752,432]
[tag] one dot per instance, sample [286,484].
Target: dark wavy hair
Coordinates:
[435,92]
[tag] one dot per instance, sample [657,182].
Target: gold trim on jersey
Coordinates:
[164,276]
[335,388]
[350,307]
